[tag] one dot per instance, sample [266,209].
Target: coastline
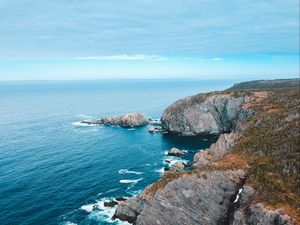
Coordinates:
[219,166]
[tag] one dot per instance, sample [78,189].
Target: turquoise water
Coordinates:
[53,171]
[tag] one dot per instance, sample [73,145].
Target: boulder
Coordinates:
[176,152]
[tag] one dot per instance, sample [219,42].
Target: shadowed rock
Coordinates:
[206,113]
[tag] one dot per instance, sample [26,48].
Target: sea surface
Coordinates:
[53,170]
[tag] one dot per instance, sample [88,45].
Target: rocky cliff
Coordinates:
[249,176]
[206,113]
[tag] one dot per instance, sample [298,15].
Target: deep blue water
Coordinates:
[54,172]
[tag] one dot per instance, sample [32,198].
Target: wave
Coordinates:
[161,171]
[134,192]
[124,171]
[98,212]
[130,181]
[80,124]
[69,223]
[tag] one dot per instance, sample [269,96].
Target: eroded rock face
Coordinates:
[216,113]
[195,199]
[248,213]
[216,151]
[128,120]
[260,215]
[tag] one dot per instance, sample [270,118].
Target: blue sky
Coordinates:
[204,39]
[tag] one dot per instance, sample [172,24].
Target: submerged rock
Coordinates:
[206,113]
[128,120]
[176,152]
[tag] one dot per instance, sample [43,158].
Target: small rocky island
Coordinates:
[127,120]
[249,176]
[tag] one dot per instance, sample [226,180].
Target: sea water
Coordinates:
[54,170]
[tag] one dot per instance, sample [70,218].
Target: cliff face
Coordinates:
[249,176]
[206,113]
[190,199]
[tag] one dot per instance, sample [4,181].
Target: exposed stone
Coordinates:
[194,199]
[216,151]
[206,113]
[176,152]
[177,167]
[260,215]
[128,120]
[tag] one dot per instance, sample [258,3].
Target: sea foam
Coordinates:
[124,171]
[130,181]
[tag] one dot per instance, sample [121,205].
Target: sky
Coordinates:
[144,39]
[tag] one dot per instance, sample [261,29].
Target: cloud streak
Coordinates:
[125,57]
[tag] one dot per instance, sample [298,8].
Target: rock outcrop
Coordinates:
[176,152]
[216,151]
[128,120]
[247,213]
[177,167]
[201,198]
[206,113]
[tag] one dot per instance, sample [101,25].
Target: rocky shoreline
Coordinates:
[214,190]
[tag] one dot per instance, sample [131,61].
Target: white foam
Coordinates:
[124,171]
[80,124]
[147,164]
[161,171]
[130,181]
[88,208]
[134,193]
[131,128]
[69,223]
[173,159]
[102,213]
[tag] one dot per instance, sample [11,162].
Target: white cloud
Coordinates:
[124,57]
[216,59]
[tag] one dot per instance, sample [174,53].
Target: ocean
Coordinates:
[53,170]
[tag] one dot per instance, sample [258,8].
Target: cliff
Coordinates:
[207,113]
[249,176]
